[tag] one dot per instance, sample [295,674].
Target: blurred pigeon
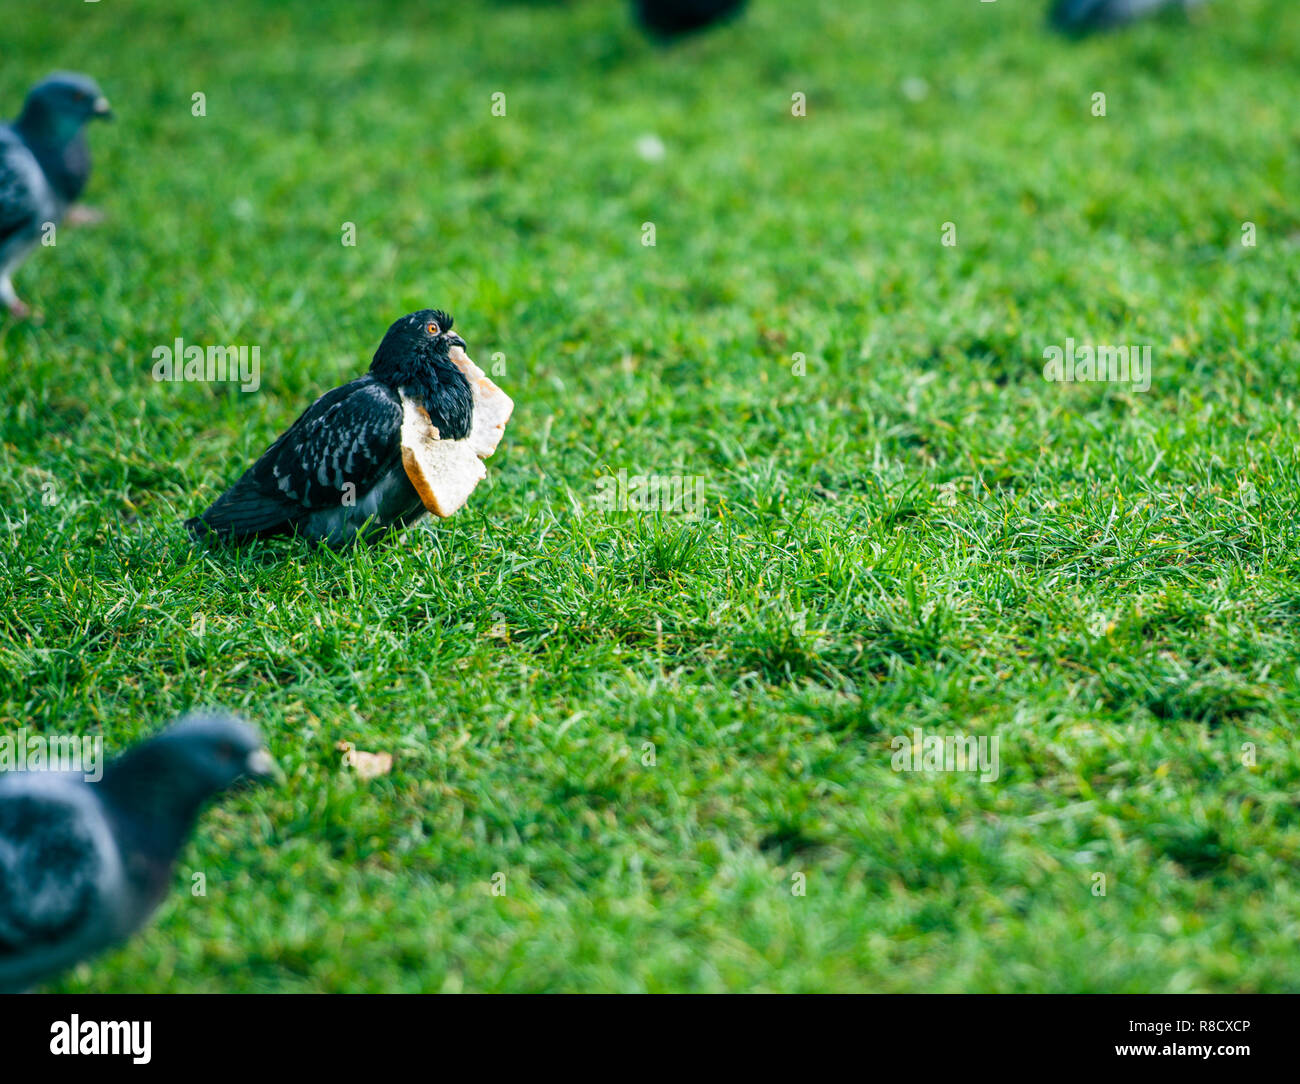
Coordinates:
[1086,16]
[347,467]
[84,864]
[44,165]
[673,18]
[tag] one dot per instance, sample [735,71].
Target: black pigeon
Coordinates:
[1086,16]
[84,864]
[44,165]
[337,472]
[674,18]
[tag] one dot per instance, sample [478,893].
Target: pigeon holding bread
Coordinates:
[377,454]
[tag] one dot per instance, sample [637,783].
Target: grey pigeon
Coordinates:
[337,472]
[1086,16]
[44,165]
[84,864]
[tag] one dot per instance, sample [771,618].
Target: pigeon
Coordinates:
[44,165]
[83,864]
[1085,16]
[669,19]
[377,453]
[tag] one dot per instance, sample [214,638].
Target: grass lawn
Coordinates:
[647,729]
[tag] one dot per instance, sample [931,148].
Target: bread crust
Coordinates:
[445,472]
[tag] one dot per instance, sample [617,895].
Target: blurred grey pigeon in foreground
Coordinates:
[44,165]
[83,864]
[1086,16]
[377,453]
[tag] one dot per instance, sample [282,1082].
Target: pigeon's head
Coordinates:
[215,751]
[64,102]
[417,355]
[423,336]
[191,761]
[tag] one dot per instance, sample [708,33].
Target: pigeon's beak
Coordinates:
[262,766]
[456,348]
[102,109]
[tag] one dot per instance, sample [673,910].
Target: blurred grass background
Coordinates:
[919,531]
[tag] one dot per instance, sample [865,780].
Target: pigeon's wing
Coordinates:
[52,868]
[343,443]
[20,184]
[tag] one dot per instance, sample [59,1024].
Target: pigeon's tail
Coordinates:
[243,512]
[197,526]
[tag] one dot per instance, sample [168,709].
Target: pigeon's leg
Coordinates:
[11,300]
[81,215]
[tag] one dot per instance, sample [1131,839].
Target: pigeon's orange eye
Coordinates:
[432,329]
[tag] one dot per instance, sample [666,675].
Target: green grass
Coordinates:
[1104,580]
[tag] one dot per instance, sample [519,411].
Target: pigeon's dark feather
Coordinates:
[245,510]
[49,872]
[19,205]
[348,441]
[340,446]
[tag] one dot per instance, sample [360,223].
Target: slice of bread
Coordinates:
[445,472]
